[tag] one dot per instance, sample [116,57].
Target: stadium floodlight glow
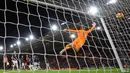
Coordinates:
[11,46]
[72,36]
[26,39]
[1,48]
[93,10]
[112,2]
[98,28]
[18,42]
[14,44]
[54,27]
[31,37]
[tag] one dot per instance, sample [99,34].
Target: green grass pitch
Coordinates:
[113,70]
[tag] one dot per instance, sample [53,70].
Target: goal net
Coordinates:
[64,36]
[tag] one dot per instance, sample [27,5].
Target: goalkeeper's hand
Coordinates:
[94,24]
[65,30]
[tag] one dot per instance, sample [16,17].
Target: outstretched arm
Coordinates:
[92,28]
[70,30]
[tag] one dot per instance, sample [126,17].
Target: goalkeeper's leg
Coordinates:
[66,48]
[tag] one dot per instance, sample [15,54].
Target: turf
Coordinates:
[113,70]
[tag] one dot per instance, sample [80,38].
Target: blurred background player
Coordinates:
[27,59]
[5,62]
[47,66]
[39,67]
[14,62]
[36,63]
[22,62]
[31,61]
[80,40]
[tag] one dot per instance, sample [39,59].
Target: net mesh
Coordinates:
[33,34]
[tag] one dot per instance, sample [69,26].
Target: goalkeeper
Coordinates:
[80,40]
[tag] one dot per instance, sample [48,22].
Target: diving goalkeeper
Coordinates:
[80,40]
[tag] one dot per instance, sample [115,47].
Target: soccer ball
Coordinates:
[119,15]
